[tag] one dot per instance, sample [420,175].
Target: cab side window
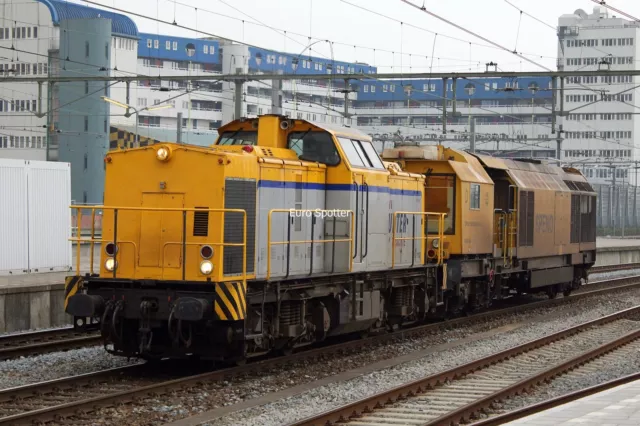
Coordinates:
[314,146]
[361,154]
[241,137]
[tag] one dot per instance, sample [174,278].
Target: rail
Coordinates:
[439,250]
[313,215]
[183,243]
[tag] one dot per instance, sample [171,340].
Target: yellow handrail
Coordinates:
[312,212]
[183,210]
[440,249]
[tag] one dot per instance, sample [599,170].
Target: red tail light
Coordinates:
[110,249]
[247,148]
[206,252]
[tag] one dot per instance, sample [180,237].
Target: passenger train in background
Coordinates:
[286,232]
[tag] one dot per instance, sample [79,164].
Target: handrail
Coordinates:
[183,243]
[366,226]
[313,214]
[355,252]
[439,250]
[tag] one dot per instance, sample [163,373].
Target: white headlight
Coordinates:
[206,267]
[110,264]
[162,153]
[436,242]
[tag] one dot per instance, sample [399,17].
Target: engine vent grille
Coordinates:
[201,223]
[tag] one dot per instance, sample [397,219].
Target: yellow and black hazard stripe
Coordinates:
[71,286]
[231,301]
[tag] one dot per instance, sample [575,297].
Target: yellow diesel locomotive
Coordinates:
[286,232]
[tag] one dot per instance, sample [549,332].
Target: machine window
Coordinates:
[314,146]
[350,151]
[474,202]
[238,137]
[374,159]
[361,153]
[441,198]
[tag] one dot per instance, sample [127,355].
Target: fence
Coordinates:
[617,210]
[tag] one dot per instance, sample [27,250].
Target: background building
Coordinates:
[601,121]
[512,116]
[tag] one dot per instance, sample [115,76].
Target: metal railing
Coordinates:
[439,250]
[312,241]
[183,243]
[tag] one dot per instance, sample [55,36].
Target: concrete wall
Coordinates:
[32,307]
[606,256]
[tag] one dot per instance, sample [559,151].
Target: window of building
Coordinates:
[205,49]
[474,196]
[24,32]
[28,32]
[156,44]
[167,45]
[86,87]
[149,42]
[175,45]
[34,105]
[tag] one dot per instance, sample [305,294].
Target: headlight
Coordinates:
[162,153]
[435,243]
[206,267]
[110,264]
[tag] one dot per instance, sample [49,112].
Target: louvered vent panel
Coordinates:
[201,223]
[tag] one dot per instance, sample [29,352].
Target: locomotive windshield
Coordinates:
[314,146]
[239,137]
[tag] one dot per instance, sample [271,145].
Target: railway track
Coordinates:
[89,392]
[40,342]
[573,396]
[457,395]
[611,268]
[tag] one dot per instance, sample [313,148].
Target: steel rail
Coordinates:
[555,402]
[355,410]
[611,268]
[91,404]
[45,341]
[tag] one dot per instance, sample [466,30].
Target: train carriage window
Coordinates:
[314,146]
[239,137]
[474,193]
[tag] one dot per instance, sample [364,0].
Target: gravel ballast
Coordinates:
[55,365]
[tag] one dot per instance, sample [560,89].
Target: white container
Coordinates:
[35,219]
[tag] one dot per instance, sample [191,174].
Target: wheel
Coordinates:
[567,292]
[552,292]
